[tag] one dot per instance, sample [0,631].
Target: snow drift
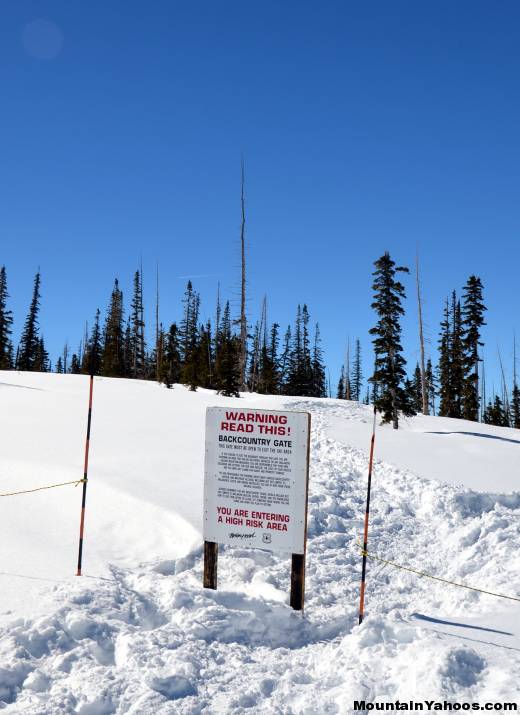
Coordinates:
[139,635]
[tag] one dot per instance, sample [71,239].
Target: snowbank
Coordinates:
[139,634]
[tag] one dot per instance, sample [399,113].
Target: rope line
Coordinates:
[435,578]
[39,489]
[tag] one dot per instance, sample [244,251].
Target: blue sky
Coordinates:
[365,128]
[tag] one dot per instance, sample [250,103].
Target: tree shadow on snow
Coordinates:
[479,434]
[430,619]
[438,621]
[23,387]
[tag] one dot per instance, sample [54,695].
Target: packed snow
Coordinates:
[138,634]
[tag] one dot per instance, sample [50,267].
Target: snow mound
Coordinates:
[140,635]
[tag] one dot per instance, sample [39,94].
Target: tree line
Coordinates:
[198,354]
[217,354]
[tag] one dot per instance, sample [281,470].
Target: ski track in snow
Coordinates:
[151,640]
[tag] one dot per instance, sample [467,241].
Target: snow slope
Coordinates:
[139,635]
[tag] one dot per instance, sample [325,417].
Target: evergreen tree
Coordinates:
[170,364]
[128,353]
[495,414]
[189,337]
[515,406]
[227,367]
[347,385]
[319,382]
[274,342]
[41,363]
[356,379]
[137,343]
[473,320]
[457,356]
[416,389]
[29,350]
[285,361]
[6,322]
[444,367]
[389,372]
[59,366]
[205,363]
[340,393]
[451,360]
[112,358]
[254,364]
[299,375]
[431,387]
[92,354]
[75,367]
[268,376]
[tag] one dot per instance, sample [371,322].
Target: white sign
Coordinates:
[256,477]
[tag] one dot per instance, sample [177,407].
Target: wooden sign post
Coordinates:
[256,487]
[210,564]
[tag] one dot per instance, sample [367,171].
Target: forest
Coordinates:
[231,356]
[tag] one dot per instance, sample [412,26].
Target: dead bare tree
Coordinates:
[141,327]
[505,395]
[243,319]
[158,352]
[65,356]
[347,372]
[424,389]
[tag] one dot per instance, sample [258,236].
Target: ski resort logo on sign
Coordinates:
[256,477]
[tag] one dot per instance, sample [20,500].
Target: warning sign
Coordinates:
[256,477]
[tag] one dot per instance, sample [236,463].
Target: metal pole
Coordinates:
[85,476]
[367,512]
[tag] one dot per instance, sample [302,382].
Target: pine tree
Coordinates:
[29,350]
[75,365]
[416,387]
[515,407]
[128,354]
[319,382]
[66,357]
[444,367]
[205,366]
[347,384]
[274,342]
[268,376]
[170,372]
[457,356]
[473,320]
[41,363]
[254,363]
[451,360]
[6,323]
[285,361]
[112,358]
[92,353]
[299,374]
[495,413]
[228,361]
[340,393]
[189,337]
[389,372]
[356,379]
[59,366]
[431,387]
[137,344]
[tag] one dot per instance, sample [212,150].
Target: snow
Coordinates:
[138,634]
